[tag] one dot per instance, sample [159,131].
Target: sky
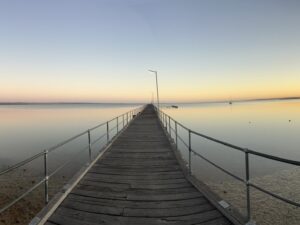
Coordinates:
[100,50]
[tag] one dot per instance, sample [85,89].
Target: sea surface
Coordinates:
[28,129]
[271,127]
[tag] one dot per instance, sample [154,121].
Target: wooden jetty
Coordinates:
[137,181]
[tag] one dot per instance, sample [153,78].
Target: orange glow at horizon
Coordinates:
[114,90]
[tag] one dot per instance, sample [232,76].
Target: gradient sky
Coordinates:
[100,50]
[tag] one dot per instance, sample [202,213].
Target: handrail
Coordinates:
[219,167]
[220,142]
[275,158]
[22,163]
[126,118]
[10,204]
[66,141]
[166,122]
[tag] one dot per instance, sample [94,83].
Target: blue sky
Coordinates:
[92,50]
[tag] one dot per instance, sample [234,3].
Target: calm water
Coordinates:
[271,127]
[28,129]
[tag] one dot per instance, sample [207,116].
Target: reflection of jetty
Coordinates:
[140,178]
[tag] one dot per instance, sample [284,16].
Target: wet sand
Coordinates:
[266,210]
[26,209]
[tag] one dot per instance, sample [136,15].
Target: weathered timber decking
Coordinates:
[138,181]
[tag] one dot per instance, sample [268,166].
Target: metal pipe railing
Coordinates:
[165,121]
[45,154]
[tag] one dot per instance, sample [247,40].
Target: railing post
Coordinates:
[127,118]
[247,184]
[190,154]
[90,145]
[46,176]
[170,126]
[117,124]
[176,135]
[123,120]
[166,120]
[107,131]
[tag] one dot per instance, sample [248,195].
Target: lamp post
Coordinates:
[155,72]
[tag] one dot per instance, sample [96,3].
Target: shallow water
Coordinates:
[28,129]
[271,127]
[268,126]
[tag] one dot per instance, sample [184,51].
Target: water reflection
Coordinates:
[271,127]
[28,129]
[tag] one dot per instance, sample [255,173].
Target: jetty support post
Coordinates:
[170,126]
[190,153]
[107,132]
[46,185]
[176,135]
[123,120]
[117,124]
[90,146]
[247,184]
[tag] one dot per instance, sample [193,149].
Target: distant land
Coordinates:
[249,100]
[136,103]
[67,103]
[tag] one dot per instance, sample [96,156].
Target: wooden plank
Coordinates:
[90,218]
[98,172]
[161,176]
[134,170]
[140,167]
[218,221]
[138,204]
[141,181]
[136,212]
[160,213]
[198,218]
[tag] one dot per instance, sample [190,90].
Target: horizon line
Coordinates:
[126,103]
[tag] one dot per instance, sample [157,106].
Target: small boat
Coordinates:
[174,106]
[230,103]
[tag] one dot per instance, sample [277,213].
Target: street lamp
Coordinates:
[155,72]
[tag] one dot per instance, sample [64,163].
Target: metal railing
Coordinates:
[121,122]
[167,121]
